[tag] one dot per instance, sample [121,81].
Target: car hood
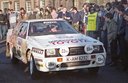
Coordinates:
[50,41]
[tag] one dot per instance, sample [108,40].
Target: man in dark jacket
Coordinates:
[76,19]
[3,23]
[120,31]
[65,15]
[84,13]
[125,58]
[111,27]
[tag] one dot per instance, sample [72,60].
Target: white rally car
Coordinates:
[53,45]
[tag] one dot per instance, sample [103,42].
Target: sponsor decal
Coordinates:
[37,50]
[100,59]
[19,41]
[60,42]
[64,51]
[88,48]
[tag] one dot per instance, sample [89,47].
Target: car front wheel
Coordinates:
[32,69]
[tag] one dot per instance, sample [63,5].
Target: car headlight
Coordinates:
[88,48]
[98,49]
[50,52]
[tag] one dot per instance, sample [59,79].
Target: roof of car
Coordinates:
[34,20]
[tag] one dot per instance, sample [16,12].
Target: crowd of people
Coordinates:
[107,23]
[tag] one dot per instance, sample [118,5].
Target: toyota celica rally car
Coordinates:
[49,45]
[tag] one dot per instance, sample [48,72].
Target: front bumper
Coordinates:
[51,64]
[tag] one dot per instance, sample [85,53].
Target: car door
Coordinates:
[21,41]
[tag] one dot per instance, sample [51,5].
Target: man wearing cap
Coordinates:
[93,24]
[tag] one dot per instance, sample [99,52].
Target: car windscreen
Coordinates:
[50,27]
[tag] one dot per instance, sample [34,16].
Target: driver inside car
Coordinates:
[54,28]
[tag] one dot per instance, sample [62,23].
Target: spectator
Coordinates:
[6,13]
[103,36]
[109,8]
[76,18]
[47,14]
[120,31]
[116,14]
[125,4]
[65,15]
[35,14]
[84,16]
[84,13]
[101,15]
[3,23]
[54,13]
[126,39]
[40,14]
[93,24]
[22,15]
[99,21]
[97,8]
[12,18]
[32,15]
[111,27]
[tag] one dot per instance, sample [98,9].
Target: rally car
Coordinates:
[50,45]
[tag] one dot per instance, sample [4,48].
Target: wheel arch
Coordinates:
[28,55]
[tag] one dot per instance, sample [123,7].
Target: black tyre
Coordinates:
[93,70]
[34,73]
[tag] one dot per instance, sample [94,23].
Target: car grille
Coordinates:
[73,64]
[80,50]
[76,51]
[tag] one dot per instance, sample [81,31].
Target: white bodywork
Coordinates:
[63,44]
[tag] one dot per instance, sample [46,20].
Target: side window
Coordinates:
[17,28]
[23,30]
